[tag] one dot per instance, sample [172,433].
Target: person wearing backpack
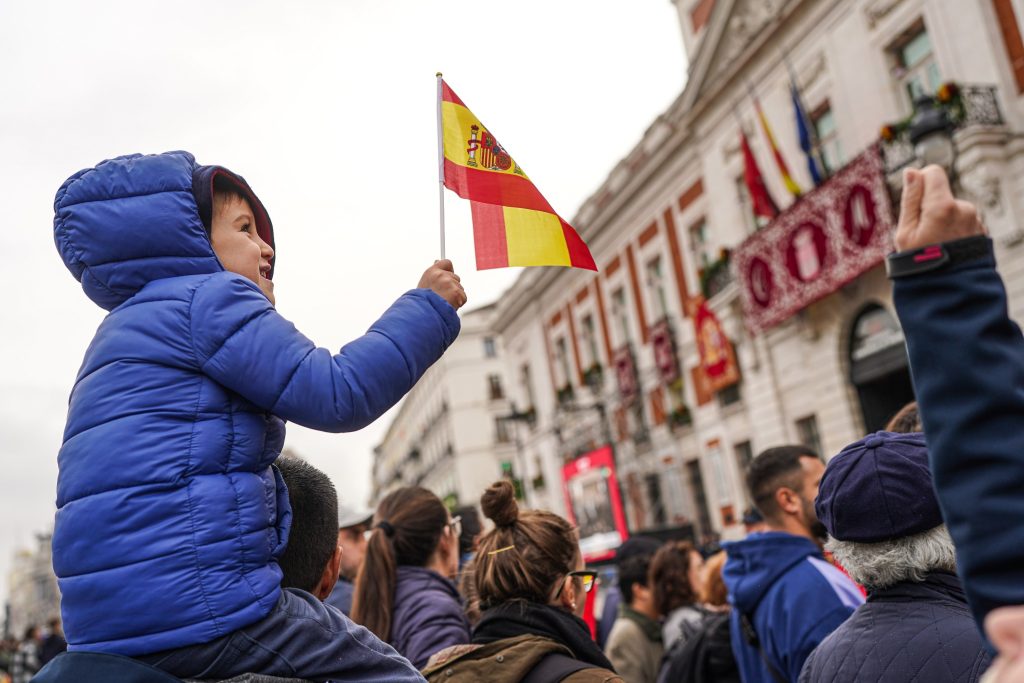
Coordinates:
[532,585]
[703,652]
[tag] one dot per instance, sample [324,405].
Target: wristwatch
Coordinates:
[937,256]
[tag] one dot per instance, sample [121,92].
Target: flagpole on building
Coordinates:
[440,161]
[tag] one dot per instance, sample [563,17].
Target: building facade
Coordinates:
[590,355]
[450,434]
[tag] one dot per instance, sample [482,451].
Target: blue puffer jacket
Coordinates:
[169,515]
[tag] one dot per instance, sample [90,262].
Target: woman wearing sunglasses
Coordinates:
[404,591]
[532,585]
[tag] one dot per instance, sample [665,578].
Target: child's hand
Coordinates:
[441,278]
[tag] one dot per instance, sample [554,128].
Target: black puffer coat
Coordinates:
[907,633]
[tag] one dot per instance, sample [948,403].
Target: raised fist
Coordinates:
[441,278]
[930,214]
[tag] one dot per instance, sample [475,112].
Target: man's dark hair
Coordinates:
[633,570]
[314,532]
[471,527]
[773,469]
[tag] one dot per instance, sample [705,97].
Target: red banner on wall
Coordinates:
[717,357]
[829,237]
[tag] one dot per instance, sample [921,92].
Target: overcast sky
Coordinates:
[327,108]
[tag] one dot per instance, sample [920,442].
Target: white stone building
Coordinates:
[829,372]
[33,597]
[447,435]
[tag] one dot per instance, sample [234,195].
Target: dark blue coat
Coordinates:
[169,516]
[795,597]
[967,362]
[427,615]
[907,633]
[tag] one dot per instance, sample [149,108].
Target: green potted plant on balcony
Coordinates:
[680,417]
[565,394]
[715,276]
[593,376]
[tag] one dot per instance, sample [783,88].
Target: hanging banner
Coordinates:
[828,238]
[625,374]
[717,357]
[664,344]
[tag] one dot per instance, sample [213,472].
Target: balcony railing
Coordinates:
[966,106]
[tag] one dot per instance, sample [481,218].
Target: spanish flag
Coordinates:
[787,178]
[513,225]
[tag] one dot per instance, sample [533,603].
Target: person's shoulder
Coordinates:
[815,578]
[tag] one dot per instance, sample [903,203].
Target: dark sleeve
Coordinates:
[967,364]
[243,343]
[434,629]
[818,632]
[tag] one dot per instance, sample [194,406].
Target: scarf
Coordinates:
[519,617]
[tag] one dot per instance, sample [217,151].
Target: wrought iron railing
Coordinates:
[966,106]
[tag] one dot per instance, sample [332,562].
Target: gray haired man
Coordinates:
[878,504]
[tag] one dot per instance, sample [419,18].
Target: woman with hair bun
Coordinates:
[404,592]
[531,584]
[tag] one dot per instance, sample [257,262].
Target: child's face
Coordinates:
[237,243]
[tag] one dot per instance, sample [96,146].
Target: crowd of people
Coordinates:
[21,659]
[186,548]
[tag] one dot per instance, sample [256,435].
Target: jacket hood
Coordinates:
[135,219]
[754,564]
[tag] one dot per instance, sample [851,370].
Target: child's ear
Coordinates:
[330,575]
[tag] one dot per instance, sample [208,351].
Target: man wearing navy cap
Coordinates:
[885,528]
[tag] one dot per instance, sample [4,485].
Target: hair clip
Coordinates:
[501,550]
[388,530]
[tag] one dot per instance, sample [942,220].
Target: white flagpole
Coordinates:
[440,160]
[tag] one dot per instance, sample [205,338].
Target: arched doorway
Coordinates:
[879,369]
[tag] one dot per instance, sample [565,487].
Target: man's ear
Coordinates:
[787,500]
[330,575]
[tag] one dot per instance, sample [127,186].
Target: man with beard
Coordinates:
[786,597]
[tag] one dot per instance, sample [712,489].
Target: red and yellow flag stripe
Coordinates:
[513,224]
[787,178]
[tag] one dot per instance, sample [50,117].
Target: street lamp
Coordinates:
[931,134]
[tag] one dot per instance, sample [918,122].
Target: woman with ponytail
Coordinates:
[404,593]
[532,586]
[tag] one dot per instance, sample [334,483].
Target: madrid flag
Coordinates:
[513,225]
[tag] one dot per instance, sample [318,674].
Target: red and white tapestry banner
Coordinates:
[829,237]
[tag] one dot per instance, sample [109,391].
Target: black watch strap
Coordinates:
[937,256]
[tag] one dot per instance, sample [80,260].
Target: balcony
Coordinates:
[966,106]
[715,276]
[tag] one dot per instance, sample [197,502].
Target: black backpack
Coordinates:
[705,656]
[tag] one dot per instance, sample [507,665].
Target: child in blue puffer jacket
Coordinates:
[170,517]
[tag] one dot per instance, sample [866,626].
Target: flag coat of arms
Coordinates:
[513,225]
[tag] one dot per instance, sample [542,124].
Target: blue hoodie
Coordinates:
[169,515]
[796,598]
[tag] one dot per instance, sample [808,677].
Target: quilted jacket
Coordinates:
[428,615]
[170,515]
[907,633]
